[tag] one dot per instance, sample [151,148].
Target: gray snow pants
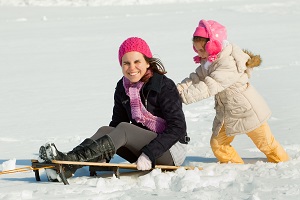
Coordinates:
[129,140]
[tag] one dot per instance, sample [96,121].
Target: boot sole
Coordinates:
[46,152]
[43,154]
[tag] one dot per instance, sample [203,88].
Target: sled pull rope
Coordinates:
[24,169]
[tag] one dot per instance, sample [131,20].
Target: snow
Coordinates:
[59,68]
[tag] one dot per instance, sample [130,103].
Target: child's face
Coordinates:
[200,47]
[134,66]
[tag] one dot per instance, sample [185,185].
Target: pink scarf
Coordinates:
[138,110]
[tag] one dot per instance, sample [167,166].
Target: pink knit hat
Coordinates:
[216,34]
[134,44]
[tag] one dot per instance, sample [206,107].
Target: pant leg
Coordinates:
[130,139]
[104,130]
[123,152]
[264,140]
[222,149]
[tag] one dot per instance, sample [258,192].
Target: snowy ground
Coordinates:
[59,68]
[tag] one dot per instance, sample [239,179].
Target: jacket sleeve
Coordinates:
[119,112]
[171,106]
[224,75]
[195,77]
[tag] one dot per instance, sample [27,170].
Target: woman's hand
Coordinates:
[143,163]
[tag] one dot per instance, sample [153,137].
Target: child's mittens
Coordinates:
[179,88]
[248,71]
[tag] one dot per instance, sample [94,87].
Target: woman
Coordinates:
[148,125]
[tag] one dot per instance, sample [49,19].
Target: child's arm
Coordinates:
[192,92]
[186,88]
[196,88]
[194,78]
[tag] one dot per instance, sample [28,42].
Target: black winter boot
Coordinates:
[88,150]
[100,149]
[71,169]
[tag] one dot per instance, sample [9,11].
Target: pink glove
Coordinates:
[143,163]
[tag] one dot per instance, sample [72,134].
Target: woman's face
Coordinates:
[134,66]
[200,47]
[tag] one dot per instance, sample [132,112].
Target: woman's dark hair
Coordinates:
[155,66]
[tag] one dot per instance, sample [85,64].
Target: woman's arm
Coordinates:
[171,106]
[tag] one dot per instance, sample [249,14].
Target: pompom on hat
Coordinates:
[216,33]
[134,44]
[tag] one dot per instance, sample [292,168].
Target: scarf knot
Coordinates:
[138,110]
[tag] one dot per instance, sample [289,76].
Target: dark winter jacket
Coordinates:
[162,100]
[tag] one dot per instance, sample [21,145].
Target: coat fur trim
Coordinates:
[254,60]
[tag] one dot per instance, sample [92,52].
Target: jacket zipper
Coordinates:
[145,98]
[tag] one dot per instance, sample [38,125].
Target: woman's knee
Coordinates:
[104,130]
[123,125]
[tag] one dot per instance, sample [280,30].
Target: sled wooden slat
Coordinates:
[21,169]
[122,165]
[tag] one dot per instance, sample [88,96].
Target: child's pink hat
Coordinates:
[216,34]
[134,44]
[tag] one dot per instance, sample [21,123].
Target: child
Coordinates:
[148,125]
[224,72]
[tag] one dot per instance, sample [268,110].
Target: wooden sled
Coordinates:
[58,165]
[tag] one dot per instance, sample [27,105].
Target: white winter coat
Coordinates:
[238,105]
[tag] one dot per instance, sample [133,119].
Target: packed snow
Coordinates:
[59,68]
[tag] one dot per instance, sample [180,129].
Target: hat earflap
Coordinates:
[213,47]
